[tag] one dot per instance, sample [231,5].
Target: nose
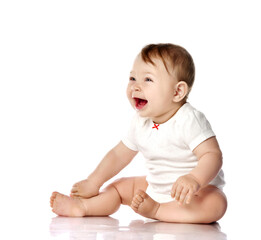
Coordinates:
[136,87]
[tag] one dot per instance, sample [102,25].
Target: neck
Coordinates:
[168,115]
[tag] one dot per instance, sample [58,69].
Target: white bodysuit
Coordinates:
[168,148]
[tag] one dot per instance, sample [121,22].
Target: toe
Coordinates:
[139,199]
[134,204]
[141,194]
[52,198]
[51,202]
[134,201]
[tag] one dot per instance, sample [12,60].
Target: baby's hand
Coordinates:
[85,189]
[184,188]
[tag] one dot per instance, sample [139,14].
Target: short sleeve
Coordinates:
[129,140]
[196,129]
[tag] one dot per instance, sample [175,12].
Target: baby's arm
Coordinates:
[209,163]
[113,162]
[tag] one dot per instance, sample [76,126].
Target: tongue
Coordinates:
[141,103]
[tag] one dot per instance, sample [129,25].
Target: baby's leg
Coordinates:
[106,203]
[209,205]
[103,204]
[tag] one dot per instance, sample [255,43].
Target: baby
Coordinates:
[184,182]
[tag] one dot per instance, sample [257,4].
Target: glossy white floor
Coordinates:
[33,221]
[129,226]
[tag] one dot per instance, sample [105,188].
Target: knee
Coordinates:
[127,186]
[118,183]
[214,204]
[124,187]
[219,206]
[222,206]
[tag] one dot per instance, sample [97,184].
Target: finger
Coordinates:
[178,192]
[76,197]
[74,194]
[74,189]
[189,197]
[173,191]
[183,195]
[75,185]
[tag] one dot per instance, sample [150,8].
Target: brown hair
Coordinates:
[174,56]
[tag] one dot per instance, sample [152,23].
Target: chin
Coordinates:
[142,114]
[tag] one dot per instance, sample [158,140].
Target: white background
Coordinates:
[64,67]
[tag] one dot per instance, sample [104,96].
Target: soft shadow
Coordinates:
[108,228]
[162,230]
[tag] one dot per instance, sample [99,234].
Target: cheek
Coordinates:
[159,99]
[153,93]
[129,95]
[128,91]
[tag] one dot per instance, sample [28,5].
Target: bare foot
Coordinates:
[144,205]
[65,206]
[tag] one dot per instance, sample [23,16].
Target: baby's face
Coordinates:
[151,90]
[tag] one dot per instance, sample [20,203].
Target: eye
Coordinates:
[132,79]
[148,80]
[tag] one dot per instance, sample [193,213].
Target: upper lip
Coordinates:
[137,97]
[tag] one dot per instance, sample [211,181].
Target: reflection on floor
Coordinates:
[107,228]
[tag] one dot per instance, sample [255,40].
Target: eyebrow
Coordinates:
[142,72]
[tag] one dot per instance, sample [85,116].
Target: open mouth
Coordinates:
[140,103]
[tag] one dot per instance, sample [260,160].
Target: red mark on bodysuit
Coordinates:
[156,126]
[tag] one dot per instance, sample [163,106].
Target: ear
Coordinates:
[180,91]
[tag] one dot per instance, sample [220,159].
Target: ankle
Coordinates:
[156,210]
[83,207]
